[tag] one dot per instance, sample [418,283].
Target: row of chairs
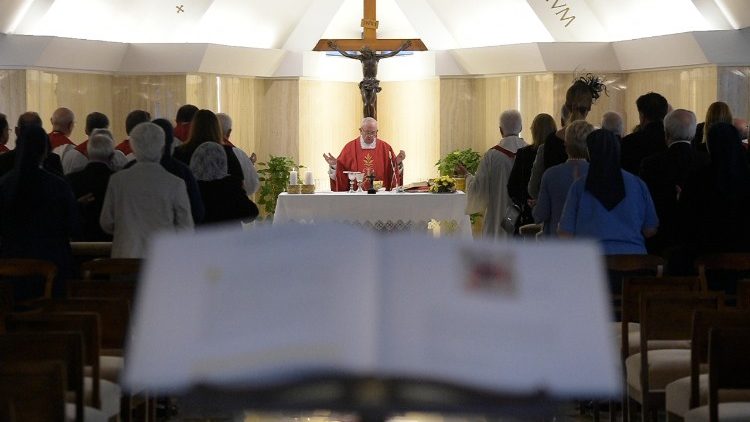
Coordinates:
[73,344]
[670,318]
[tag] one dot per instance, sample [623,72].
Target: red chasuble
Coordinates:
[124,146]
[57,139]
[354,158]
[83,148]
[3,149]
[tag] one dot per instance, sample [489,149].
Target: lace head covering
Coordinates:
[209,162]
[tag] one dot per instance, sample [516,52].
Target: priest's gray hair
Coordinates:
[147,140]
[612,121]
[225,122]
[209,162]
[105,132]
[679,125]
[511,122]
[366,120]
[100,147]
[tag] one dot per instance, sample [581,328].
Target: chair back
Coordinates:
[85,323]
[114,316]
[669,316]
[723,262]
[23,268]
[634,287]
[35,389]
[628,263]
[114,289]
[62,346]
[728,364]
[108,268]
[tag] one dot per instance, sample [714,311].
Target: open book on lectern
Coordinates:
[275,305]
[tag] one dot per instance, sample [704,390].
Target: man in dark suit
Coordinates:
[51,162]
[665,174]
[90,184]
[649,140]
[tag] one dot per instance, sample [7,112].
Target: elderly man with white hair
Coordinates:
[612,121]
[667,172]
[250,180]
[144,198]
[487,191]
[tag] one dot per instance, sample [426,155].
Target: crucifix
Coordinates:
[369,50]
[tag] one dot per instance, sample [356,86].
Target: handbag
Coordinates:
[512,214]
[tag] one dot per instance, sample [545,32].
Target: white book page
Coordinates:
[537,321]
[264,306]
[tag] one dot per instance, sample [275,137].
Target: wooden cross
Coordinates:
[369,39]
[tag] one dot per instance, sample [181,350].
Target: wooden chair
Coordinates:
[629,326]
[738,263]
[35,389]
[113,289]
[108,268]
[728,368]
[24,268]
[664,316]
[621,266]
[62,346]
[690,392]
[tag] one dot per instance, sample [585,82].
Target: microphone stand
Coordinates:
[397,187]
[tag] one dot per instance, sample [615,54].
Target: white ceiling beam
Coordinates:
[313,24]
[431,29]
[27,14]
[569,20]
[714,14]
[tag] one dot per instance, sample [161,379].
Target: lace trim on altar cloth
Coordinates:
[436,227]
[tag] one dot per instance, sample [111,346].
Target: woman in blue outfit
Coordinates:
[610,204]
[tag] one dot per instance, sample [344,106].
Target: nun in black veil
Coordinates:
[39,212]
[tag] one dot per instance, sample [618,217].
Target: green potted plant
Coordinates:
[274,178]
[447,167]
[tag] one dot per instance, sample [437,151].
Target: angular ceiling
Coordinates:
[296,25]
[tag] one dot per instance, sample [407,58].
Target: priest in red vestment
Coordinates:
[366,154]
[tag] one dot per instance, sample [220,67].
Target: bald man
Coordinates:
[63,122]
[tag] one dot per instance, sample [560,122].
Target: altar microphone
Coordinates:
[395,182]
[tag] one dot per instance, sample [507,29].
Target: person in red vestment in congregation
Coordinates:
[182,122]
[366,154]
[133,119]
[63,121]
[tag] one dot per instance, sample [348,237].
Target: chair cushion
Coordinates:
[728,412]
[90,414]
[665,366]
[110,368]
[678,394]
[110,393]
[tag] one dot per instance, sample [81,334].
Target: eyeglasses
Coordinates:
[368,132]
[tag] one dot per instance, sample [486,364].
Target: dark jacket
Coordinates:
[638,145]
[93,179]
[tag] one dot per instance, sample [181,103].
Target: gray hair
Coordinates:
[367,120]
[612,121]
[105,132]
[679,125]
[147,140]
[575,138]
[225,123]
[209,162]
[100,147]
[511,122]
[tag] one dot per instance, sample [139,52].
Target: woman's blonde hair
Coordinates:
[541,127]
[575,138]
[582,94]
[718,112]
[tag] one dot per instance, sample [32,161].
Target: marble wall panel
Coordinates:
[81,92]
[613,100]
[690,88]
[329,117]
[12,97]
[734,89]
[409,119]
[457,99]
[160,95]
[277,118]
[237,99]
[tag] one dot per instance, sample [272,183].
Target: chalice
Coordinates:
[360,178]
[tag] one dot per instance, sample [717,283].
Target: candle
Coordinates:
[309,178]
[293,177]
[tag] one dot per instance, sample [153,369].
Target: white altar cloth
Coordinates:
[386,211]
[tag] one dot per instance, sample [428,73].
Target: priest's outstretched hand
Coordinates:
[330,159]
[400,157]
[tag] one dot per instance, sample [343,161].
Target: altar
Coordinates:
[384,211]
